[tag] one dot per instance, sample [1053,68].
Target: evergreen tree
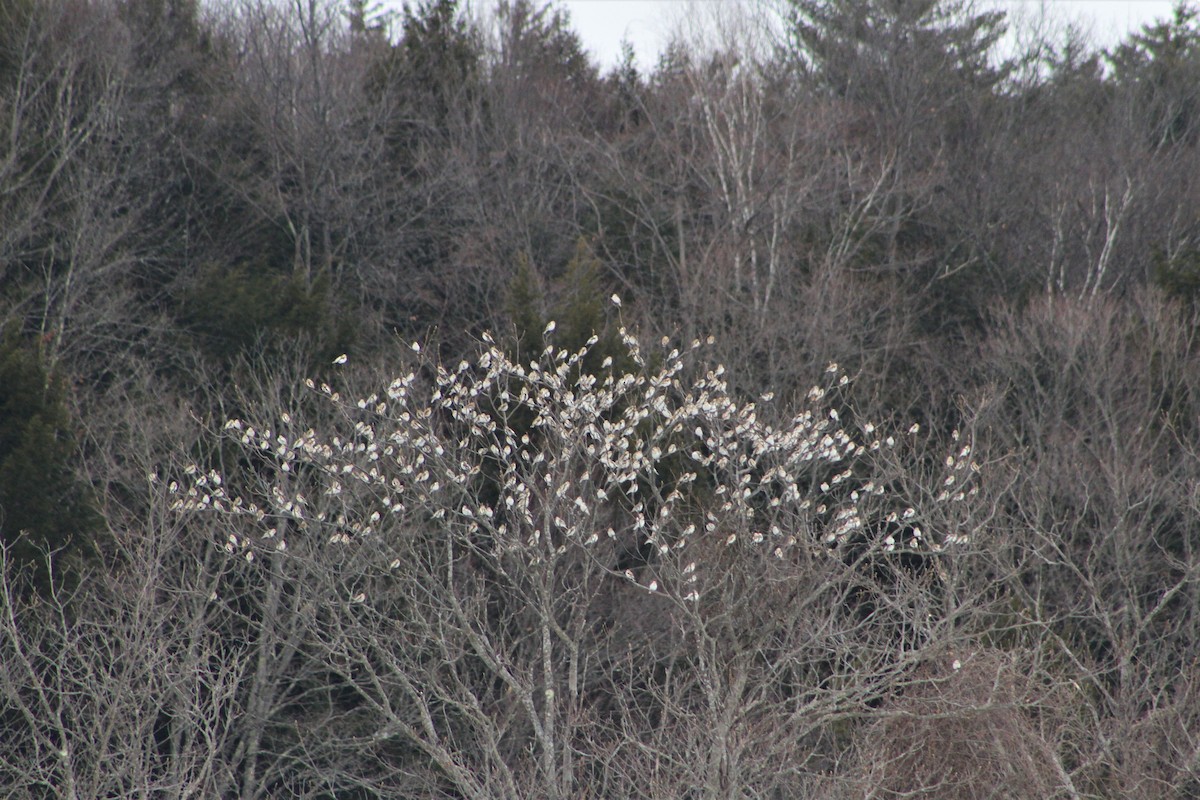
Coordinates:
[1160,66]
[252,307]
[430,75]
[45,510]
[626,87]
[525,312]
[578,307]
[570,314]
[895,51]
[539,43]
[542,71]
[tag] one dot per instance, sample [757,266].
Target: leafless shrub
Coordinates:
[963,729]
[1091,420]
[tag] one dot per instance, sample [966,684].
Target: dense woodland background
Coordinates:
[997,239]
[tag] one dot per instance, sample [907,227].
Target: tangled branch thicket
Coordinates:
[523,571]
[627,582]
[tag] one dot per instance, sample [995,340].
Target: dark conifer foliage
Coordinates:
[47,518]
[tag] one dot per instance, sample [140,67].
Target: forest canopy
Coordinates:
[402,404]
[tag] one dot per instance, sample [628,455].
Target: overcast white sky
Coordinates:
[648,23]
